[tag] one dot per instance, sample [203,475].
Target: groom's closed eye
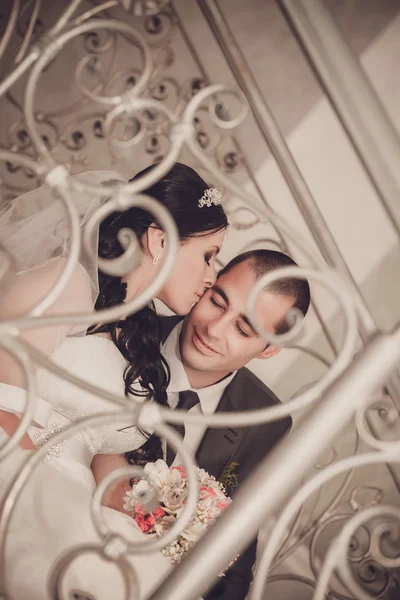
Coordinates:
[220,300]
[215,303]
[218,297]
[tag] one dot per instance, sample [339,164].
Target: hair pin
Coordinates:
[210,196]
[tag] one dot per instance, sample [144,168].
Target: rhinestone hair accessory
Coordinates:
[210,196]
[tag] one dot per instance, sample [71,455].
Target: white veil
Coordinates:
[34,228]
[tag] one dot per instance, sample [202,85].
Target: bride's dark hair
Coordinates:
[138,336]
[150,451]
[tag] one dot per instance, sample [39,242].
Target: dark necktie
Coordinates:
[187,400]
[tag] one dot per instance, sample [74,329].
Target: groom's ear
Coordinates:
[155,240]
[269,351]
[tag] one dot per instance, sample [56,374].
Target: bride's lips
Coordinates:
[202,346]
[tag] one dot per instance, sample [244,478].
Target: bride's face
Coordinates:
[192,273]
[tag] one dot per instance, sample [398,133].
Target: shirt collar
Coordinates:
[211,395]
[179,380]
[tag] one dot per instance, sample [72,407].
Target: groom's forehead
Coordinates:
[237,283]
[234,287]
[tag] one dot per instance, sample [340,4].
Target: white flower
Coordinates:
[174,492]
[193,530]
[158,473]
[141,488]
[172,489]
[162,527]
[127,506]
[204,477]
[176,550]
[136,494]
[130,501]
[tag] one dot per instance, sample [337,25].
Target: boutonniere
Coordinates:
[229,477]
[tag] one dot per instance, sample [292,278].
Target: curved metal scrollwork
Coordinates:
[166,119]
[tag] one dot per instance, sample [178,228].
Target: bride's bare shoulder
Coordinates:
[24,293]
[28,288]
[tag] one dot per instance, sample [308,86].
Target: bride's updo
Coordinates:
[138,336]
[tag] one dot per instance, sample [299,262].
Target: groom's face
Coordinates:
[217,336]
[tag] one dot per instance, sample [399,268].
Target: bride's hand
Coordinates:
[102,465]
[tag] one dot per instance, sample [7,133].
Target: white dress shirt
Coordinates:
[209,396]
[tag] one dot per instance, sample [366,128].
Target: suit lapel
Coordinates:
[219,445]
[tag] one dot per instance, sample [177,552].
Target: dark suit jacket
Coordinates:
[231,454]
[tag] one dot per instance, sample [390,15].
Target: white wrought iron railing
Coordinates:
[348,387]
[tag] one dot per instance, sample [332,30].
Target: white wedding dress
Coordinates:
[98,361]
[53,509]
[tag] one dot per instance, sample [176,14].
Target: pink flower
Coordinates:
[141,521]
[150,520]
[207,492]
[223,504]
[159,512]
[181,470]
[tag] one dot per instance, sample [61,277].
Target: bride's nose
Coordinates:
[210,277]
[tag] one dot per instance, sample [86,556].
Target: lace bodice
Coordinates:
[98,361]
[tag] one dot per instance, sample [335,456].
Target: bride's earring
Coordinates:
[156,257]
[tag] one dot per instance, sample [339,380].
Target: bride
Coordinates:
[122,357]
[115,356]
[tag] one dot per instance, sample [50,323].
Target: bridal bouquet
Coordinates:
[171,486]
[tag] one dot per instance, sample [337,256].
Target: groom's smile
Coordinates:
[201,345]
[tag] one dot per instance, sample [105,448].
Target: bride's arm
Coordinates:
[26,291]
[9,423]
[102,465]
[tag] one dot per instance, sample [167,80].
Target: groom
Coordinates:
[207,353]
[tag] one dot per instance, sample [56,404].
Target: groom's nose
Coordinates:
[215,327]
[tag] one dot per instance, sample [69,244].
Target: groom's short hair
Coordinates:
[264,261]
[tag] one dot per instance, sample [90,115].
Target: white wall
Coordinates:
[342,191]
